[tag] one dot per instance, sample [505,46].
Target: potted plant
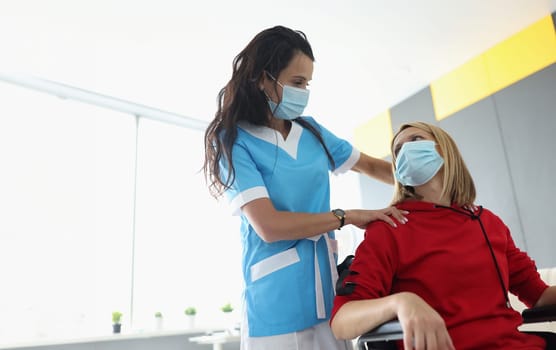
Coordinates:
[190,313]
[116,322]
[158,320]
[227,308]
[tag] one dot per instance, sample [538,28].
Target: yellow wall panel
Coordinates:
[458,89]
[517,57]
[373,137]
[522,54]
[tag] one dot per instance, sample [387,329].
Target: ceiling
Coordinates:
[175,55]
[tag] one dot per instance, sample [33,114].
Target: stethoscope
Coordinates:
[469,213]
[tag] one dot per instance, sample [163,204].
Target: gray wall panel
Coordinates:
[476,132]
[527,112]
[416,107]
[374,194]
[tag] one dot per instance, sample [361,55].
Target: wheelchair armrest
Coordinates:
[391,330]
[539,314]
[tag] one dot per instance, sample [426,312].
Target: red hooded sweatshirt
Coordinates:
[442,255]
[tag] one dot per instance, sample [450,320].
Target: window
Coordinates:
[80,238]
[187,244]
[66,201]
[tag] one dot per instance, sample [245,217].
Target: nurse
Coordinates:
[273,165]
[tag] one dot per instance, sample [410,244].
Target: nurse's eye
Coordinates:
[300,83]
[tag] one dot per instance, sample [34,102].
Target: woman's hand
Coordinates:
[361,218]
[423,328]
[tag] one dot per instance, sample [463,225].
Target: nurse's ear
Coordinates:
[261,81]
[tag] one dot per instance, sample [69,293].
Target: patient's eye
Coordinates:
[410,139]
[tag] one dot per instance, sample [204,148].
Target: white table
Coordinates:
[216,339]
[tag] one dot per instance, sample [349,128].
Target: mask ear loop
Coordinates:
[268,97]
[275,80]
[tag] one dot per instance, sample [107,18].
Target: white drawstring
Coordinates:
[319,294]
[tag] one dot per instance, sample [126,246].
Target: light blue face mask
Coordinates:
[417,163]
[294,101]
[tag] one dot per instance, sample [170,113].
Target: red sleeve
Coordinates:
[372,268]
[525,281]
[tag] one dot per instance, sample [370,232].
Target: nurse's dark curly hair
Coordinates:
[241,99]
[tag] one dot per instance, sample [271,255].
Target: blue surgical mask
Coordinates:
[294,101]
[417,163]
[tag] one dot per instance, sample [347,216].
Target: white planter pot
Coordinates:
[190,321]
[230,322]
[158,323]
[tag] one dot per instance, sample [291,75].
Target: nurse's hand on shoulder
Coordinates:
[390,215]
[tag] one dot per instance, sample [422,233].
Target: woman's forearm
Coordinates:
[273,225]
[376,168]
[548,297]
[359,316]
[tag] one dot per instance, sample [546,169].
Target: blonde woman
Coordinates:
[447,272]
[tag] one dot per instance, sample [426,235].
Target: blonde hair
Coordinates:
[457,181]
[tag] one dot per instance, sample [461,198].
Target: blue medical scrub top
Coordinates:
[280,289]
